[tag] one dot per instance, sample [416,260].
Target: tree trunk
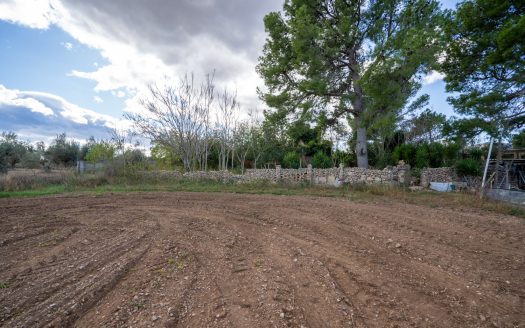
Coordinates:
[361,150]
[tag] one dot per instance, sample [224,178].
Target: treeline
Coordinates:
[341,84]
[63,152]
[259,144]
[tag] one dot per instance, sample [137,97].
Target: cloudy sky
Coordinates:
[76,66]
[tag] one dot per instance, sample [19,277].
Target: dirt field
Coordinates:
[229,260]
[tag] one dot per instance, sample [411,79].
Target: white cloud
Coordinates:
[52,105]
[16,99]
[118,93]
[98,100]
[41,116]
[146,44]
[32,13]
[434,76]
[67,45]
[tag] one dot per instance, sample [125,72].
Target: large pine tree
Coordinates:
[352,59]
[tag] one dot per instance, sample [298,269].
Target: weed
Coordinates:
[184,255]
[257,263]
[4,285]
[137,305]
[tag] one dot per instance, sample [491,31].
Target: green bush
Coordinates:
[321,160]
[468,167]
[435,154]
[451,153]
[405,152]
[291,160]
[422,157]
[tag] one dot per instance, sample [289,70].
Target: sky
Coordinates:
[78,66]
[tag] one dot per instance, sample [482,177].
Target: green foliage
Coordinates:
[357,59]
[321,160]
[62,151]
[291,160]
[426,154]
[518,140]
[422,159]
[134,157]
[3,158]
[485,65]
[451,153]
[100,151]
[31,160]
[405,152]
[468,166]
[165,157]
[343,157]
[427,126]
[12,151]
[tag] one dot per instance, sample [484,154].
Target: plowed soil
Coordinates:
[229,260]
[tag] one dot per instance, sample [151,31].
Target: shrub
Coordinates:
[321,160]
[406,152]
[422,157]
[468,167]
[291,160]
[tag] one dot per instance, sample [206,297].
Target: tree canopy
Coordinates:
[356,60]
[485,65]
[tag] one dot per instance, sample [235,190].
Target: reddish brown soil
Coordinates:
[229,260]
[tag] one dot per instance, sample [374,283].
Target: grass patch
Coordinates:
[42,191]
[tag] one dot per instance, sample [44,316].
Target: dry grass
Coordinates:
[36,182]
[23,179]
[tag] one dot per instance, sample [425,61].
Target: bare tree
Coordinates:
[241,141]
[176,118]
[225,124]
[207,95]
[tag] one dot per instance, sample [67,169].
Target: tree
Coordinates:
[518,140]
[242,142]
[176,118]
[164,157]
[63,151]
[351,59]
[225,125]
[321,160]
[485,65]
[425,127]
[100,151]
[12,150]
[291,160]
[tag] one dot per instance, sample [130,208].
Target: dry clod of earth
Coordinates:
[229,260]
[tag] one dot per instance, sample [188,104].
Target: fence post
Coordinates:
[403,174]
[277,173]
[309,175]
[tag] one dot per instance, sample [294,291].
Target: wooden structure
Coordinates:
[509,173]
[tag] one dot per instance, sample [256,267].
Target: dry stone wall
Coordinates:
[333,176]
[439,174]
[392,175]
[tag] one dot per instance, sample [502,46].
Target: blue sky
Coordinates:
[93,58]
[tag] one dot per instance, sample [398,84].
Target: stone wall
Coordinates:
[333,176]
[392,175]
[439,174]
